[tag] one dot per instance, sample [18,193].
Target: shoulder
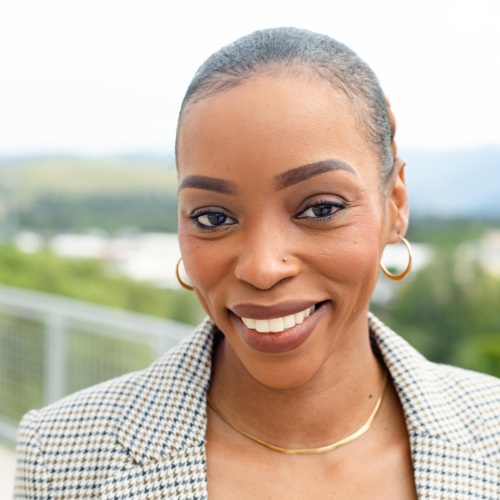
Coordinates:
[409,366]
[471,393]
[455,404]
[103,404]
[112,424]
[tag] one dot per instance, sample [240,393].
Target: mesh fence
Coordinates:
[51,347]
[21,364]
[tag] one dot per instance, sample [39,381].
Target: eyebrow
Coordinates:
[208,183]
[299,174]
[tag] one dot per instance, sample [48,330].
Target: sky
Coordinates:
[103,77]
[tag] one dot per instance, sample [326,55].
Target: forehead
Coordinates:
[282,120]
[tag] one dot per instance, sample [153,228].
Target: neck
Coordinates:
[332,404]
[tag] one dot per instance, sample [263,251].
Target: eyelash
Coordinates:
[338,205]
[204,227]
[323,218]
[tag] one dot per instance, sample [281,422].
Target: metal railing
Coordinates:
[52,346]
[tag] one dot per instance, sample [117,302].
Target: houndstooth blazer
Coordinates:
[142,436]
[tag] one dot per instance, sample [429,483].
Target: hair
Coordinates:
[279,49]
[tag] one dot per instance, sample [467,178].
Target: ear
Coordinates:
[397,203]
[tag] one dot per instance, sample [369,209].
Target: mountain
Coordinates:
[454,183]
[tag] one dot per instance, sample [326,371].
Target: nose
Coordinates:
[265,258]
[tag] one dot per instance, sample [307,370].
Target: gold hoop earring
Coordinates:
[179,279]
[397,277]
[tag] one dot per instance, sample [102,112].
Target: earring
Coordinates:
[179,279]
[397,277]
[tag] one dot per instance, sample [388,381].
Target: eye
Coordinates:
[211,219]
[321,210]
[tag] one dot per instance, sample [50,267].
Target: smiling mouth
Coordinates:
[277,325]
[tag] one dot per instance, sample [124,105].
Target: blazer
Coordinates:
[142,436]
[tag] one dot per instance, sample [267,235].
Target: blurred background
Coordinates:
[89,96]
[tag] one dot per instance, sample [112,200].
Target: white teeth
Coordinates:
[289,321]
[277,325]
[249,322]
[299,317]
[262,325]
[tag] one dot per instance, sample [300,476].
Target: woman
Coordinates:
[289,190]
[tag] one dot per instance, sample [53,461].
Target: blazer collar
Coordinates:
[448,457]
[432,403]
[167,409]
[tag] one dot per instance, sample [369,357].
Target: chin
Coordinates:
[283,372]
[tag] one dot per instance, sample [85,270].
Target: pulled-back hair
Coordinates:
[291,48]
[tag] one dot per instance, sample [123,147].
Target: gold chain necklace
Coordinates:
[309,451]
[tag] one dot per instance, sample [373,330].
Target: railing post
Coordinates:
[55,376]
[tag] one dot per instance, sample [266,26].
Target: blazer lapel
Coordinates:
[449,459]
[444,470]
[180,475]
[164,425]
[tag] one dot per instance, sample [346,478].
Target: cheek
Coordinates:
[207,265]
[353,261]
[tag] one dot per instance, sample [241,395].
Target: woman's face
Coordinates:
[282,222]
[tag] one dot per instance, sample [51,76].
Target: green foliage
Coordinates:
[448,233]
[153,211]
[91,281]
[481,353]
[84,176]
[68,194]
[450,311]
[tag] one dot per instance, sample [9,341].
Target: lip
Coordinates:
[281,342]
[255,311]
